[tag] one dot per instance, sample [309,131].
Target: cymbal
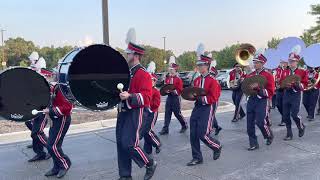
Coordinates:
[165,88]
[190,93]
[290,79]
[248,82]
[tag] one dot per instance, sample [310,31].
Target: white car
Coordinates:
[223,78]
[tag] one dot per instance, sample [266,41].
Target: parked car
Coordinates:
[161,78]
[186,77]
[223,78]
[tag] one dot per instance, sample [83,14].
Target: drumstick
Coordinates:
[35,112]
[120,87]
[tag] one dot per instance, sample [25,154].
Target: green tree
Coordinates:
[308,38]
[273,43]
[226,57]
[157,55]
[187,60]
[52,54]
[18,49]
[315,30]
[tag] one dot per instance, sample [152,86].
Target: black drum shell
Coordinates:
[89,76]
[21,91]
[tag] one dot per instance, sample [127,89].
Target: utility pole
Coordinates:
[105,22]
[3,62]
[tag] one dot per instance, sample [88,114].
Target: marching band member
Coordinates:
[213,72]
[59,113]
[279,91]
[203,112]
[236,77]
[136,102]
[257,106]
[292,94]
[37,125]
[34,56]
[150,138]
[173,102]
[310,95]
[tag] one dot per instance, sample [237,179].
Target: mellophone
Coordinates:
[90,77]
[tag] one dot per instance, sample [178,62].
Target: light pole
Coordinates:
[105,22]
[3,62]
[164,49]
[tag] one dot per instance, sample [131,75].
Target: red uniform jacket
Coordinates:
[300,72]
[268,90]
[211,85]
[155,100]
[177,82]
[60,105]
[233,75]
[279,73]
[140,88]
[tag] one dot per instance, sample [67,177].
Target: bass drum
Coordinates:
[21,91]
[89,77]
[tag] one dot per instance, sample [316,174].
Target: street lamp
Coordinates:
[164,49]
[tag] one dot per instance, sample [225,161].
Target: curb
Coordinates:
[92,126]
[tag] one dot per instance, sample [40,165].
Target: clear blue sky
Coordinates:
[185,23]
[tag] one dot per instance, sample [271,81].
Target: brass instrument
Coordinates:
[244,54]
[234,84]
[312,82]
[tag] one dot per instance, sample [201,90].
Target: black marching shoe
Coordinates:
[150,170]
[125,178]
[48,156]
[52,172]
[194,162]
[241,117]
[216,154]
[252,148]
[310,119]
[218,131]
[235,120]
[183,129]
[62,173]
[37,158]
[29,146]
[301,131]
[282,124]
[158,150]
[164,131]
[269,140]
[288,138]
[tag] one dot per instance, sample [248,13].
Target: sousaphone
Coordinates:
[311,58]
